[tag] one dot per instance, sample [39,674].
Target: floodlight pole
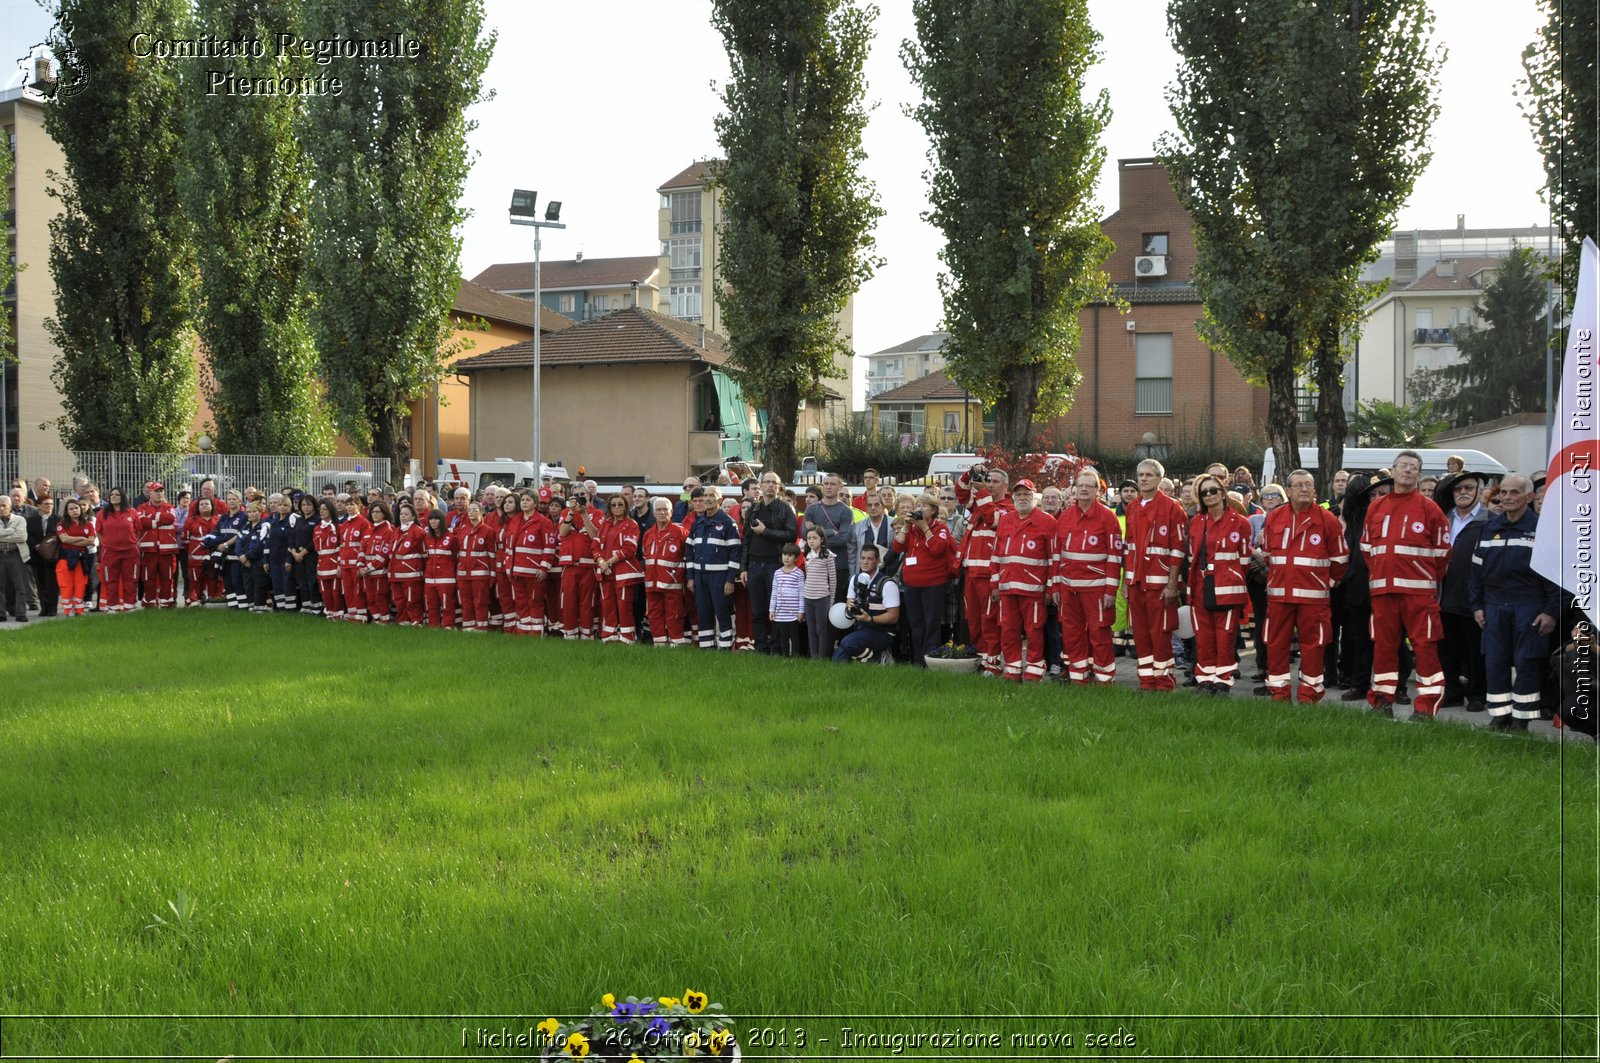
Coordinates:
[538,314]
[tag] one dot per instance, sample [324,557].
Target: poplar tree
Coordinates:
[1015,154]
[797,215]
[1559,102]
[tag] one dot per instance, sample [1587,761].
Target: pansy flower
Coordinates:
[695,1002]
[577,1046]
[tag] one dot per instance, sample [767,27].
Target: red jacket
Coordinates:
[505,540]
[1225,542]
[1023,547]
[619,547]
[158,525]
[119,532]
[352,536]
[1306,553]
[1153,545]
[977,549]
[1088,549]
[577,548]
[440,568]
[409,553]
[535,546]
[663,557]
[325,537]
[1407,543]
[930,559]
[377,546]
[195,529]
[475,559]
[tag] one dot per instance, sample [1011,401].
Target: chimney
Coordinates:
[579,257]
[632,298]
[41,70]
[702,335]
[1461,223]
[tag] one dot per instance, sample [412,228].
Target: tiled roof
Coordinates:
[477,301]
[634,336]
[929,341]
[1462,281]
[1158,293]
[693,177]
[569,273]
[935,387]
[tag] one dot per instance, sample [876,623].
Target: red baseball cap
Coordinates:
[545,494]
[155,485]
[1022,485]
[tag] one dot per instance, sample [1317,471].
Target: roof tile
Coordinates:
[632,336]
[935,387]
[569,273]
[478,301]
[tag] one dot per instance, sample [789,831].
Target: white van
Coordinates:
[949,466]
[476,475]
[1371,459]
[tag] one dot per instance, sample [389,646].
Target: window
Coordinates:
[1155,243]
[902,421]
[1425,317]
[685,301]
[686,212]
[599,304]
[1152,373]
[685,258]
[952,422]
[567,303]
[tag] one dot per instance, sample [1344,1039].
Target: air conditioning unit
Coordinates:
[1150,265]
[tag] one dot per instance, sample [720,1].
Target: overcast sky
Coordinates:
[596,106]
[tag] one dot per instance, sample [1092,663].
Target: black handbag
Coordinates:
[1208,583]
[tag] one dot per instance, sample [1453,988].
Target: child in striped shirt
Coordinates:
[821,585]
[788,601]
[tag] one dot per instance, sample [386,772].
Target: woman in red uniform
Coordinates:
[202,583]
[376,547]
[352,534]
[616,554]
[1219,552]
[475,569]
[439,572]
[119,553]
[405,567]
[76,534]
[532,549]
[326,540]
[504,612]
[550,506]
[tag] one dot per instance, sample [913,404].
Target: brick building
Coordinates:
[1148,371]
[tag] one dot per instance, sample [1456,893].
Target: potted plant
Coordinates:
[953,657]
[643,1031]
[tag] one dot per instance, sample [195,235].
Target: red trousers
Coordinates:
[983,620]
[743,637]
[355,595]
[1086,635]
[1416,618]
[527,598]
[1153,621]
[377,591]
[665,612]
[474,603]
[203,582]
[332,597]
[407,597]
[1022,619]
[440,599]
[158,570]
[578,593]
[1215,647]
[616,609]
[552,601]
[119,575]
[503,607]
[1314,623]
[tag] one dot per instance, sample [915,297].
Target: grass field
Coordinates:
[450,832]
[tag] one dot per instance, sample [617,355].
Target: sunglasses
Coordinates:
[1273,497]
[1210,491]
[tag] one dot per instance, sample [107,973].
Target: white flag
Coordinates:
[1564,551]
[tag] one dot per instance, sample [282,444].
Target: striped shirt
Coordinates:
[822,579]
[788,584]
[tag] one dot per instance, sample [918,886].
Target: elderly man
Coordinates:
[1154,546]
[13,562]
[1306,553]
[663,545]
[1461,649]
[682,508]
[39,491]
[1087,569]
[986,494]
[1024,545]
[1515,606]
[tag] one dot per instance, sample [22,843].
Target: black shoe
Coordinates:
[22,619]
[1476,706]
[1402,699]
[1220,690]
[1261,691]
[1420,717]
[1384,707]
[1260,677]
[1353,695]
[1502,723]
[1191,682]
[1452,701]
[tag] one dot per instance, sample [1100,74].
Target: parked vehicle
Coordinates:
[1371,459]
[476,475]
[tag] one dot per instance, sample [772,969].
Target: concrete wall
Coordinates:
[1517,442]
[38,400]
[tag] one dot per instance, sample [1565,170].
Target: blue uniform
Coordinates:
[280,536]
[711,559]
[253,546]
[1511,596]
[223,544]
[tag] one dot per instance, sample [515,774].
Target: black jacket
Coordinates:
[779,528]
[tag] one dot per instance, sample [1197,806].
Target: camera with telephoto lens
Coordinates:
[853,610]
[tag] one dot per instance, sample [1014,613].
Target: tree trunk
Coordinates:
[1283,420]
[1013,414]
[783,410]
[1332,424]
[389,441]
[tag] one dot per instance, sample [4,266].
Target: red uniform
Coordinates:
[1085,572]
[579,591]
[119,559]
[533,550]
[474,574]
[406,561]
[1306,553]
[1020,574]
[1407,545]
[439,579]
[663,581]
[977,550]
[1153,547]
[375,550]
[326,540]
[618,548]
[73,577]
[504,613]
[158,554]
[553,578]
[352,536]
[1219,552]
[203,579]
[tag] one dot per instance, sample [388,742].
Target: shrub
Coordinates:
[851,447]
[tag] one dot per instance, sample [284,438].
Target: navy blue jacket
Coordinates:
[222,539]
[1502,567]
[280,536]
[712,547]
[253,543]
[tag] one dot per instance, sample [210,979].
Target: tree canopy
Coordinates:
[1501,370]
[1560,104]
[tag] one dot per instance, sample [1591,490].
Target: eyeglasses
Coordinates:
[1272,497]
[1207,492]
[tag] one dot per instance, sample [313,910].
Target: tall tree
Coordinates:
[120,251]
[797,215]
[1015,155]
[1560,104]
[1501,370]
[245,188]
[1300,129]
[390,157]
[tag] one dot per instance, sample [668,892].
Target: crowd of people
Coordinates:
[1403,590]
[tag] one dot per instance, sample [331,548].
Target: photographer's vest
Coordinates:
[871,593]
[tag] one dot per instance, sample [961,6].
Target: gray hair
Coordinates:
[1161,470]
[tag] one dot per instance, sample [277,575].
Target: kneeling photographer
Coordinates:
[874,604]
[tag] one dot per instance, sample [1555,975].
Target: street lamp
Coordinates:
[524,211]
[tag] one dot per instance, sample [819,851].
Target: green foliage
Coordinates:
[1300,131]
[389,155]
[797,216]
[1559,102]
[1383,424]
[120,252]
[1501,370]
[1014,158]
[244,188]
[851,447]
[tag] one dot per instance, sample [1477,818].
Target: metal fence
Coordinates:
[132,471]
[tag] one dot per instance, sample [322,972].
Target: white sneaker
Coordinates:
[1055,669]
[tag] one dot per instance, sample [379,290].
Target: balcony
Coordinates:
[1433,335]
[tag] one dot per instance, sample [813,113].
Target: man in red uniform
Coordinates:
[1087,568]
[533,549]
[580,594]
[550,506]
[158,548]
[1024,542]
[663,577]
[352,544]
[1306,555]
[1153,550]
[986,502]
[1406,540]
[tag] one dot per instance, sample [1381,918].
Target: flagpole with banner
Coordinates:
[1565,547]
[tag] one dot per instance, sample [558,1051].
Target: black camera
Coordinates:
[917,514]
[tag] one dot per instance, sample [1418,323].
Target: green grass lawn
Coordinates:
[412,824]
